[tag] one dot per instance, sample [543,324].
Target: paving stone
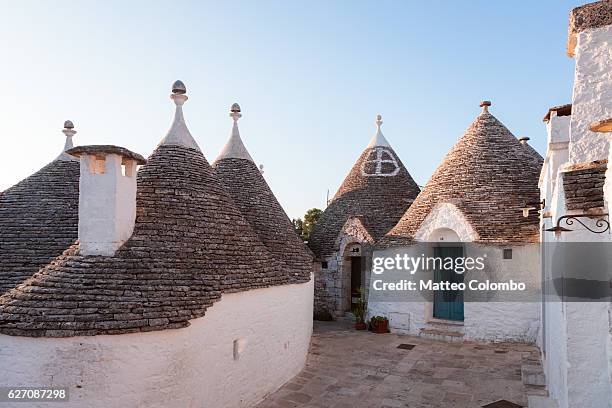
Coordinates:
[365,376]
[298,397]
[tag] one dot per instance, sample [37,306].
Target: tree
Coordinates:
[311,218]
[304,227]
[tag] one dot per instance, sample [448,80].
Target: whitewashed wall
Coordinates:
[490,321]
[487,321]
[592,98]
[190,367]
[577,334]
[445,222]
[608,203]
[552,342]
[577,341]
[557,155]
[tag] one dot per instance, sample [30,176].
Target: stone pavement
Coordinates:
[352,369]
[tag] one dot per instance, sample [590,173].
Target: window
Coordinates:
[508,253]
[127,168]
[324,265]
[97,165]
[239,346]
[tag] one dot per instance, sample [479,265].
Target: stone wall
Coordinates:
[332,283]
[245,347]
[592,100]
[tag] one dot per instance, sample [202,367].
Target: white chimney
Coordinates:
[107,197]
[558,130]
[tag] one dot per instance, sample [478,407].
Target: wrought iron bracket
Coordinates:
[602,224]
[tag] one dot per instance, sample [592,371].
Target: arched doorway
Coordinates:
[447,304]
[353,276]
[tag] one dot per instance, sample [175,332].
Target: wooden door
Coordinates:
[448,304]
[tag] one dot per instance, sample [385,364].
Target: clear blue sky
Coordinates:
[310,77]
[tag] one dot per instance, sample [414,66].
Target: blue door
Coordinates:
[448,304]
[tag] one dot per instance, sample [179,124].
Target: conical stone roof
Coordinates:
[533,154]
[190,244]
[246,185]
[377,190]
[39,218]
[488,175]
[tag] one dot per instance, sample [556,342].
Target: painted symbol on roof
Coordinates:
[380,162]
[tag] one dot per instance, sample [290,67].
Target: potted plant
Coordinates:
[359,312]
[380,324]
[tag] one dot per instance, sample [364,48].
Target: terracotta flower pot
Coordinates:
[381,327]
[360,326]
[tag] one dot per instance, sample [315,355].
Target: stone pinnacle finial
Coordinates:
[234,148]
[485,105]
[378,139]
[179,135]
[235,112]
[523,139]
[68,131]
[178,87]
[178,93]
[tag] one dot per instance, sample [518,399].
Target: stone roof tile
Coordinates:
[245,183]
[38,221]
[489,176]
[583,185]
[258,205]
[190,244]
[378,190]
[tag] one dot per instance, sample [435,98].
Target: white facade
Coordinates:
[576,336]
[487,321]
[246,346]
[592,97]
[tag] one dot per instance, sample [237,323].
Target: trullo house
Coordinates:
[471,207]
[372,198]
[246,185]
[169,296]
